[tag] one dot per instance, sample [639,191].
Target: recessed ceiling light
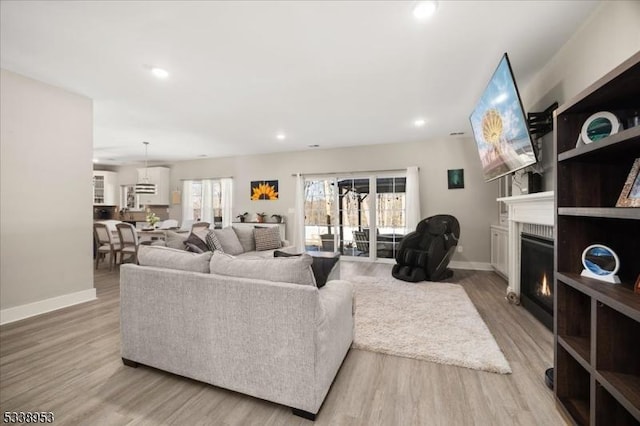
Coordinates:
[160,72]
[425,9]
[419,122]
[281,136]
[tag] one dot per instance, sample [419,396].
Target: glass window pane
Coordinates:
[390,214]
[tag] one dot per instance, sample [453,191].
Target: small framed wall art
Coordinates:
[264,190]
[455,178]
[630,195]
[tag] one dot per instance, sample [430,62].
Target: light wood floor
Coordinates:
[68,362]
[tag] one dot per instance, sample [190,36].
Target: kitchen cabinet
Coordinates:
[160,177]
[105,188]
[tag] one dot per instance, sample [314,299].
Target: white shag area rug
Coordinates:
[430,321]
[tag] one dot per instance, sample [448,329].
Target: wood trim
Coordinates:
[47,305]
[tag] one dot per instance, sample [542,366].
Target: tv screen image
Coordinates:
[500,127]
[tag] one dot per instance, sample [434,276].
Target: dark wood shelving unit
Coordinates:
[597,324]
[601,212]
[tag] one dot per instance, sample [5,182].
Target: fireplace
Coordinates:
[536,277]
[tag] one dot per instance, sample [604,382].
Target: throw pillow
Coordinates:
[320,266]
[295,270]
[175,240]
[229,241]
[267,238]
[193,248]
[213,242]
[165,257]
[193,240]
[245,235]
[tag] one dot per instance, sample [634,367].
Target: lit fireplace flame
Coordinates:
[544,289]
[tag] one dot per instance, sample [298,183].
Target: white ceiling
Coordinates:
[333,73]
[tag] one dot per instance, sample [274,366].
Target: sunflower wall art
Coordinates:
[264,190]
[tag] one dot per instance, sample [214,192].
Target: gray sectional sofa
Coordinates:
[280,341]
[233,240]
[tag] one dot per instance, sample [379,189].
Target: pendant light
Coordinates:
[145,187]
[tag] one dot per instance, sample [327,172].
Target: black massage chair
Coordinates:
[423,255]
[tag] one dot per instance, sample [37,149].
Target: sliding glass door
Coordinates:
[361,217]
[319,215]
[390,215]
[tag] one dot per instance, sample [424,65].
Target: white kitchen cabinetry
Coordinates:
[159,176]
[105,188]
[500,250]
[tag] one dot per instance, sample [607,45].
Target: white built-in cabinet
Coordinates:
[500,250]
[105,188]
[159,176]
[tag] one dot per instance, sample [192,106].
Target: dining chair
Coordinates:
[129,241]
[200,225]
[106,244]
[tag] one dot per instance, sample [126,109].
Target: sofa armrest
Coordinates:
[335,332]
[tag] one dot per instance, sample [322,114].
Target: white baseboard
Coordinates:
[40,307]
[475,266]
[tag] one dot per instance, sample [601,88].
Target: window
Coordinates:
[342,214]
[203,200]
[319,214]
[129,199]
[390,215]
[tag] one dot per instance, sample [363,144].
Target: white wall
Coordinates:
[606,39]
[474,206]
[46,223]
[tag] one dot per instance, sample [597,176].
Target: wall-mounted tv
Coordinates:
[500,127]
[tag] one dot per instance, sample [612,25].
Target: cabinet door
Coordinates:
[98,188]
[503,252]
[499,250]
[110,188]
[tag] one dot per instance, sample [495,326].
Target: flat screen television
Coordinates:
[500,127]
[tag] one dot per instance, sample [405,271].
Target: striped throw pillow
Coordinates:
[213,243]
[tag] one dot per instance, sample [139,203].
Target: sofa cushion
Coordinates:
[247,240]
[196,243]
[267,238]
[296,270]
[175,240]
[166,257]
[320,266]
[229,240]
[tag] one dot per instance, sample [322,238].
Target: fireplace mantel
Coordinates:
[535,209]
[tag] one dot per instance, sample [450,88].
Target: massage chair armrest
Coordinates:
[410,240]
